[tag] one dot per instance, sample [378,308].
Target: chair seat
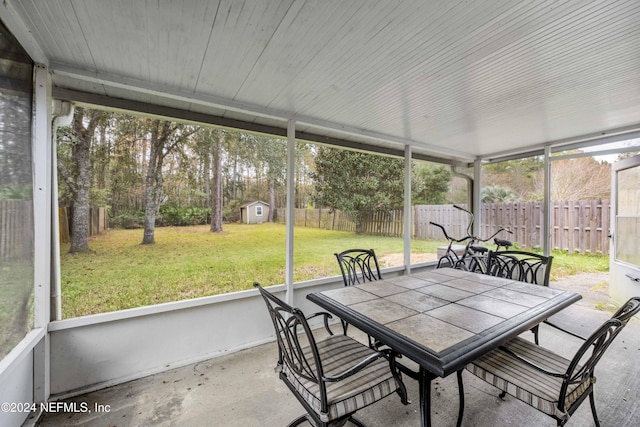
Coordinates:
[525,382]
[350,394]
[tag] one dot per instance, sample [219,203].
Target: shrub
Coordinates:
[231,212]
[178,216]
[127,220]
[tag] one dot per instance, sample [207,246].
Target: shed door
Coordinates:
[624,275]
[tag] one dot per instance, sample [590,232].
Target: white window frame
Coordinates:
[259,210]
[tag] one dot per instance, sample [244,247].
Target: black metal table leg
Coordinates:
[424,382]
[460,398]
[425,397]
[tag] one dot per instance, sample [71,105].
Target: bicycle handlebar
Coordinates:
[471,219]
[449,237]
[462,209]
[495,234]
[469,236]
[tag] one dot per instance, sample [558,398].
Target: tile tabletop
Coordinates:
[445,312]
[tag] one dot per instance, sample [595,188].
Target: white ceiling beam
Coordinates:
[588,140]
[145,87]
[630,149]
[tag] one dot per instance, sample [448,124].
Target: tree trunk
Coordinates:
[235,178]
[153,183]
[272,200]
[81,153]
[80,221]
[216,185]
[206,174]
[357,219]
[166,137]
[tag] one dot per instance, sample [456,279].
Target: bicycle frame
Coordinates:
[474,256]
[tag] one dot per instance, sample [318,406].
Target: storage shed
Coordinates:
[254,212]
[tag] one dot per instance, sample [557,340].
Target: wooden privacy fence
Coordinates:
[98,222]
[16,229]
[582,226]
[377,223]
[318,218]
[576,226]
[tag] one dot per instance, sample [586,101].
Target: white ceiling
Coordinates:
[454,79]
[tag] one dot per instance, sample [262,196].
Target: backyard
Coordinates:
[191,262]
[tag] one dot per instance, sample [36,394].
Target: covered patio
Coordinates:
[241,389]
[457,83]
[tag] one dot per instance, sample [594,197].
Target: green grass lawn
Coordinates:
[190,262]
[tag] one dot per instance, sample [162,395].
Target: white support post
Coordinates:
[42,172]
[477,199]
[62,116]
[546,204]
[408,210]
[42,169]
[291,165]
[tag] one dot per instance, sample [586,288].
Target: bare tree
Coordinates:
[580,178]
[165,137]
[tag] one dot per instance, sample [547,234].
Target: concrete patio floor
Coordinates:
[242,390]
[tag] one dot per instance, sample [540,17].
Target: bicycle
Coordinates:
[474,256]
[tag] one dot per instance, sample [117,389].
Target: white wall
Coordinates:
[97,351]
[93,352]
[16,379]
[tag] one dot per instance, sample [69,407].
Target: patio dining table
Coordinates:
[443,319]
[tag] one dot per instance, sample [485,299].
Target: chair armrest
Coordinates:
[355,368]
[547,322]
[327,316]
[532,364]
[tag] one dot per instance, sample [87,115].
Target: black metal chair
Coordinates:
[547,381]
[522,266]
[358,266]
[333,377]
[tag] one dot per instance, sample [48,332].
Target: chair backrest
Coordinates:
[628,310]
[296,345]
[358,266]
[584,362]
[520,265]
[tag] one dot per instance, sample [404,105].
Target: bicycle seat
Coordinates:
[501,242]
[478,249]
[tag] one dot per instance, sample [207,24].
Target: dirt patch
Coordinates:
[594,288]
[392,260]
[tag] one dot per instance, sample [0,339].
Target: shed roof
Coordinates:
[246,205]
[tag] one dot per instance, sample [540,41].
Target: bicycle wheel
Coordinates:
[461,264]
[445,261]
[477,264]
